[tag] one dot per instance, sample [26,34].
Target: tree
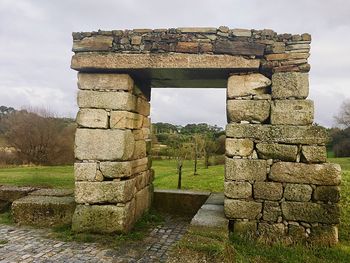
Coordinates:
[210,147]
[343,117]
[181,150]
[198,143]
[40,138]
[340,142]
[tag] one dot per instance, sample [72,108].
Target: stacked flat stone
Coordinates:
[278,52]
[278,183]
[112,171]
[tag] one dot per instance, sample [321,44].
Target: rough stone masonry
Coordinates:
[278,183]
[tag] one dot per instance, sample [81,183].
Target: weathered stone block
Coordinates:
[248,110]
[87,172]
[295,112]
[138,134]
[272,231]
[136,40]
[143,107]
[43,211]
[238,48]
[142,179]
[324,235]
[268,190]
[123,169]
[103,81]
[276,151]
[146,133]
[106,100]
[187,47]
[126,120]
[239,32]
[245,228]
[12,193]
[104,218]
[238,189]
[327,193]
[298,192]
[272,211]
[202,30]
[279,133]
[104,192]
[142,202]
[140,149]
[311,212]
[240,147]
[104,144]
[146,122]
[238,209]
[245,169]
[245,85]
[92,118]
[288,56]
[313,154]
[95,43]
[290,84]
[53,192]
[319,174]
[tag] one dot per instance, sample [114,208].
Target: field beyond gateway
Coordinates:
[205,244]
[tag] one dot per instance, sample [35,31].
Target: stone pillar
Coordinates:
[278,183]
[113,180]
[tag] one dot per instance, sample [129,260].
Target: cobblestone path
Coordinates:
[20,244]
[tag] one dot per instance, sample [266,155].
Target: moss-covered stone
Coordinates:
[12,193]
[238,209]
[245,169]
[289,134]
[43,211]
[104,218]
[277,151]
[298,192]
[104,192]
[319,174]
[311,212]
[268,190]
[327,193]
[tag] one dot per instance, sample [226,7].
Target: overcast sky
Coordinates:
[35,48]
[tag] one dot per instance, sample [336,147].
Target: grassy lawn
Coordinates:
[45,176]
[166,177]
[210,179]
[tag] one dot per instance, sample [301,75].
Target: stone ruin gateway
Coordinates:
[277,179]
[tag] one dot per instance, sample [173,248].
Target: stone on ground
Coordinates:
[43,211]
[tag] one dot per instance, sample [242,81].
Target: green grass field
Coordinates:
[43,176]
[165,176]
[213,245]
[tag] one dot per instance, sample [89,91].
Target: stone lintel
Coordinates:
[115,61]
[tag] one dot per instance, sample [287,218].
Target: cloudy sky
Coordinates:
[35,48]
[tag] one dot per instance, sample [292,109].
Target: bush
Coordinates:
[40,138]
[342,148]
[9,158]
